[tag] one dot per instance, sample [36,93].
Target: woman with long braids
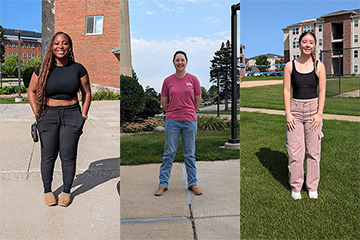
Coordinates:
[303,112]
[53,98]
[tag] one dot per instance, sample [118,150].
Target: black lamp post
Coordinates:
[19,98]
[234,127]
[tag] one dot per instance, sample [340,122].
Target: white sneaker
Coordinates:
[296,195]
[313,195]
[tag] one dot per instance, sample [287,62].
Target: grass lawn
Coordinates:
[271,97]
[261,78]
[7,100]
[150,147]
[267,209]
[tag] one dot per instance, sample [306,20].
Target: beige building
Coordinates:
[338,43]
[125,45]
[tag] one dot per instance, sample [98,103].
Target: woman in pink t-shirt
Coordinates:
[180,98]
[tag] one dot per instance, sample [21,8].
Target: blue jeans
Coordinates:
[173,130]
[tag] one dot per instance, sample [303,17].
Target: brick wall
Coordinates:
[345,19]
[23,50]
[93,51]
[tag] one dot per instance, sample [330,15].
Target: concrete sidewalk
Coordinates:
[95,209]
[179,214]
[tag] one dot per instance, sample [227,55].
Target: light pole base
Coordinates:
[232,145]
[19,99]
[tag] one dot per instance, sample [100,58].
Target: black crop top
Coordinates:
[304,84]
[64,81]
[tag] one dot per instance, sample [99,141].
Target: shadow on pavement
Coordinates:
[97,173]
[276,162]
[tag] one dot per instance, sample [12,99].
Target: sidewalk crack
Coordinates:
[28,169]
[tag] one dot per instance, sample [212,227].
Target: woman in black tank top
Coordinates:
[303,112]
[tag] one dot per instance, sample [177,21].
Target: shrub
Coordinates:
[105,95]
[12,89]
[132,127]
[152,104]
[132,98]
[212,123]
[27,73]
[148,125]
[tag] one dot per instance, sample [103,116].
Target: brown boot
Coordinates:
[64,199]
[195,189]
[50,199]
[160,191]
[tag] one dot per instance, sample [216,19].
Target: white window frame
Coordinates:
[320,27]
[356,68]
[356,38]
[356,53]
[356,22]
[96,30]
[320,42]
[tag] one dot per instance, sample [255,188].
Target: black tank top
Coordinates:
[304,84]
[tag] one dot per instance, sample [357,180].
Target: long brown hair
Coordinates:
[47,65]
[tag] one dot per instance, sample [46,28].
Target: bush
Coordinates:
[212,123]
[105,95]
[12,89]
[132,98]
[27,73]
[148,125]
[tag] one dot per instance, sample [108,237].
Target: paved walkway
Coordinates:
[95,209]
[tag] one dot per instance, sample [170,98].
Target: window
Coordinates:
[2,43]
[39,46]
[24,55]
[356,53]
[295,44]
[9,44]
[320,27]
[320,42]
[296,56]
[24,45]
[13,44]
[32,55]
[29,55]
[295,31]
[309,29]
[356,68]
[38,55]
[94,25]
[28,45]
[9,53]
[13,53]
[356,22]
[33,46]
[356,38]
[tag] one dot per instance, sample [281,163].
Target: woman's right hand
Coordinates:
[290,122]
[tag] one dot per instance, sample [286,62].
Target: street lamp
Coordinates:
[234,140]
[19,98]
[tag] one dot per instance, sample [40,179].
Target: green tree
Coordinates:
[249,69]
[10,66]
[221,69]
[204,94]
[132,98]
[213,91]
[2,47]
[32,62]
[280,68]
[152,103]
[262,60]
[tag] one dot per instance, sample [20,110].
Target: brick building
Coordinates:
[94,26]
[242,60]
[337,44]
[30,44]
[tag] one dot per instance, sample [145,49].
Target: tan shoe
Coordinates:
[160,191]
[195,189]
[50,199]
[64,199]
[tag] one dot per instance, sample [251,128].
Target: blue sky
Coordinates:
[261,21]
[160,27]
[24,15]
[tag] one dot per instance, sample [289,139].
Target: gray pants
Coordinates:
[304,141]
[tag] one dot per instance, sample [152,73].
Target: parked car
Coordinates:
[207,103]
[222,101]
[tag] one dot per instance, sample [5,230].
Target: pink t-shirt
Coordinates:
[181,93]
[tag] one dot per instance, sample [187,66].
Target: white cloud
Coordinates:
[150,12]
[152,60]
[215,5]
[212,20]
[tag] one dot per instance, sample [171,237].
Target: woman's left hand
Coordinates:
[316,121]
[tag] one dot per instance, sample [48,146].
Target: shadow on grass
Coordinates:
[276,162]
